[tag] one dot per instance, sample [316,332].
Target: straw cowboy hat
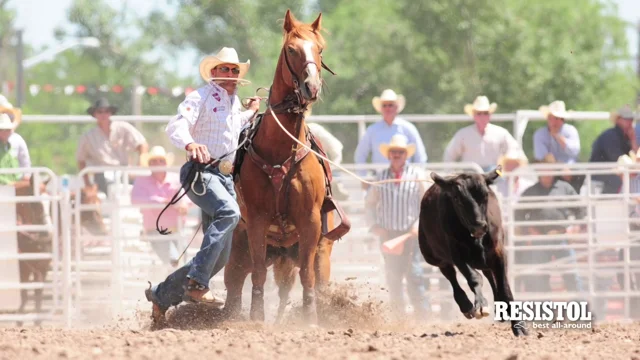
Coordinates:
[398,141]
[386,96]
[101,104]
[556,108]
[517,156]
[224,56]
[624,112]
[5,122]
[155,153]
[481,103]
[15,114]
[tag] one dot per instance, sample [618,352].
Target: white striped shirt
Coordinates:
[397,205]
[211,117]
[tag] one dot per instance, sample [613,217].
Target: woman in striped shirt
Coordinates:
[395,208]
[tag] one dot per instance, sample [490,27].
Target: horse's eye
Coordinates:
[291,50]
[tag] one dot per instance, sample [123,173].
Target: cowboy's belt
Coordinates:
[225,167]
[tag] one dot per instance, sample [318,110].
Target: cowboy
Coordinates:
[107,144]
[482,143]
[611,144]
[389,104]
[207,126]
[558,139]
[159,188]
[395,208]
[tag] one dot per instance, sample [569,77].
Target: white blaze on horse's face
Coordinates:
[312,81]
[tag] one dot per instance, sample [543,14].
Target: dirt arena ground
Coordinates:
[348,329]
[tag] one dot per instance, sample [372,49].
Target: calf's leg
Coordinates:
[474,279]
[504,292]
[459,295]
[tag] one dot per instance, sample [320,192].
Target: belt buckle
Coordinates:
[225,167]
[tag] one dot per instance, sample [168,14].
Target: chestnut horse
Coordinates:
[282,192]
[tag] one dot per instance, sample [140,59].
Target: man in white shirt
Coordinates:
[482,143]
[207,126]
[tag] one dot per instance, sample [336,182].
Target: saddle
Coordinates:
[277,174]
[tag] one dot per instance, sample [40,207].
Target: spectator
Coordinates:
[510,163]
[552,186]
[389,104]
[613,143]
[482,143]
[159,188]
[14,152]
[558,139]
[107,144]
[395,208]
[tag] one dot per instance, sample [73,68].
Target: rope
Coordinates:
[374,183]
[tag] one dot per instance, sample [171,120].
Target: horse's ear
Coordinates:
[289,21]
[316,26]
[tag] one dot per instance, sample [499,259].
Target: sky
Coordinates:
[49,14]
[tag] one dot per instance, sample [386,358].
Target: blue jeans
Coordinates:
[219,202]
[406,265]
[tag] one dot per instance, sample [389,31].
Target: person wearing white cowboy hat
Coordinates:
[109,143]
[14,152]
[482,143]
[394,209]
[510,163]
[611,144]
[158,188]
[388,104]
[14,113]
[207,126]
[557,138]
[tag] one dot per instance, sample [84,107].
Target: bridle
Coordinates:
[295,103]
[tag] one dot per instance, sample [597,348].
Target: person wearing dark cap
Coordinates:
[108,143]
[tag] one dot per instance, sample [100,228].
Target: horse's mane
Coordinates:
[304,31]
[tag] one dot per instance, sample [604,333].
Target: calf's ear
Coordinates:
[492,175]
[439,179]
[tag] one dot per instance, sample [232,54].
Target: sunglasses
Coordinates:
[388,105]
[225,69]
[397,151]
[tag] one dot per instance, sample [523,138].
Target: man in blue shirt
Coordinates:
[558,139]
[389,104]
[612,144]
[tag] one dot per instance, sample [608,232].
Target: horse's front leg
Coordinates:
[257,232]
[309,239]
[235,272]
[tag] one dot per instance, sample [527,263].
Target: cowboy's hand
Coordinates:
[198,152]
[254,103]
